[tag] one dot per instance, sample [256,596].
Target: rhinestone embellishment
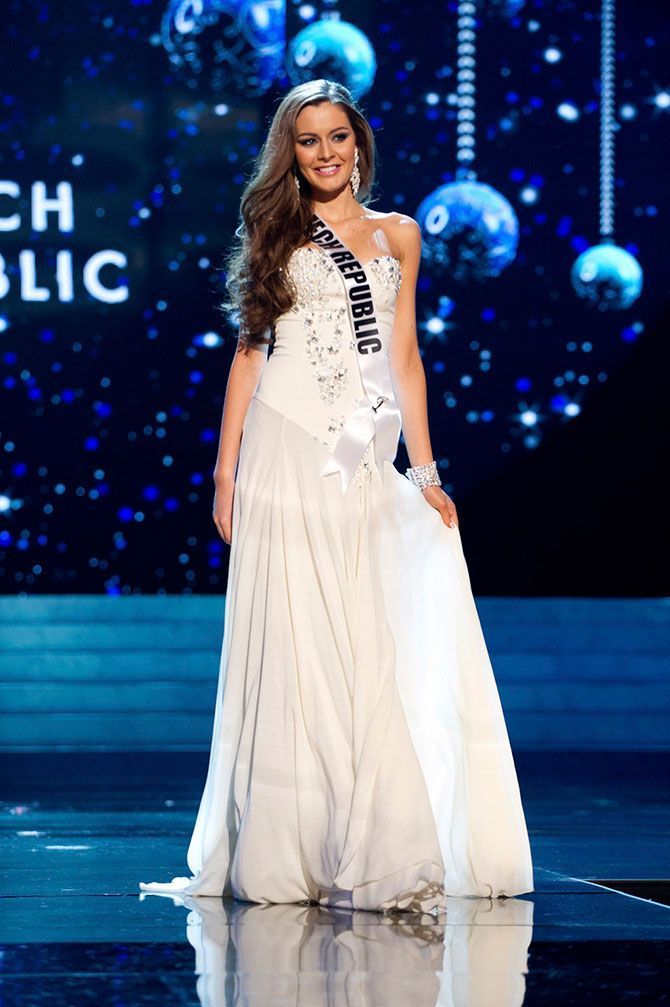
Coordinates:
[324,326]
[310,272]
[323,345]
[363,472]
[386,270]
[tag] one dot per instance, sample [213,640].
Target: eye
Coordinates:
[307,142]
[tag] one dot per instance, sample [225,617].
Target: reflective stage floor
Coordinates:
[80,831]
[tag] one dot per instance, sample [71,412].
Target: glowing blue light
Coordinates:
[507,9]
[528,195]
[627,111]
[568,111]
[662,99]
[528,417]
[435,325]
[572,409]
[553,55]
[5,503]
[209,340]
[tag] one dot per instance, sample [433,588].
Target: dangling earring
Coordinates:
[355,177]
[297,184]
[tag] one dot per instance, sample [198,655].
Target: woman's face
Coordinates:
[325,146]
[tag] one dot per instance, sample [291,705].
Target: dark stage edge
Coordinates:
[80,831]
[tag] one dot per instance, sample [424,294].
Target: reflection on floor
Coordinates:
[79,832]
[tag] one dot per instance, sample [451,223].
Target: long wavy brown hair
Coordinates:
[275,217]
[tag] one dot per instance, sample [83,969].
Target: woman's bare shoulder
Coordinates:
[393,217]
[402,230]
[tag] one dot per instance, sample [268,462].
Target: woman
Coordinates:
[359,754]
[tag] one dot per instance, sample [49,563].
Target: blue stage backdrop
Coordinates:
[532,160]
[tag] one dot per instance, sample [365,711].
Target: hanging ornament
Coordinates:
[335,50]
[221,44]
[605,275]
[470,230]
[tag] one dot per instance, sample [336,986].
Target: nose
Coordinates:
[325,153]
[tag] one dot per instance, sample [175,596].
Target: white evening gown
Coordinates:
[360,756]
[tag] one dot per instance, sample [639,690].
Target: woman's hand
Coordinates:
[438,499]
[222,513]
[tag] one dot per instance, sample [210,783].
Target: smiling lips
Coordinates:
[330,169]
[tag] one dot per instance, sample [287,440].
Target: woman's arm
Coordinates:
[243,378]
[409,377]
[407,370]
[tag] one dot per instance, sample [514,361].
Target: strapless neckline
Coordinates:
[377,258]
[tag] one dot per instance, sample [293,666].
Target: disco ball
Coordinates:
[607,276]
[470,231]
[335,50]
[221,44]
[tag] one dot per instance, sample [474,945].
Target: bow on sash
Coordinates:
[377,415]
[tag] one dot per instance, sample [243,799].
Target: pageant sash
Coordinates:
[377,415]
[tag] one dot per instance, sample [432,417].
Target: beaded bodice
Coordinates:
[312,375]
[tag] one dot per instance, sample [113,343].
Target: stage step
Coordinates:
[80,672]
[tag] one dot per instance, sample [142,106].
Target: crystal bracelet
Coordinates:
[424,475]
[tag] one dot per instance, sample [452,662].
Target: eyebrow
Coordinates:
[336,130]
